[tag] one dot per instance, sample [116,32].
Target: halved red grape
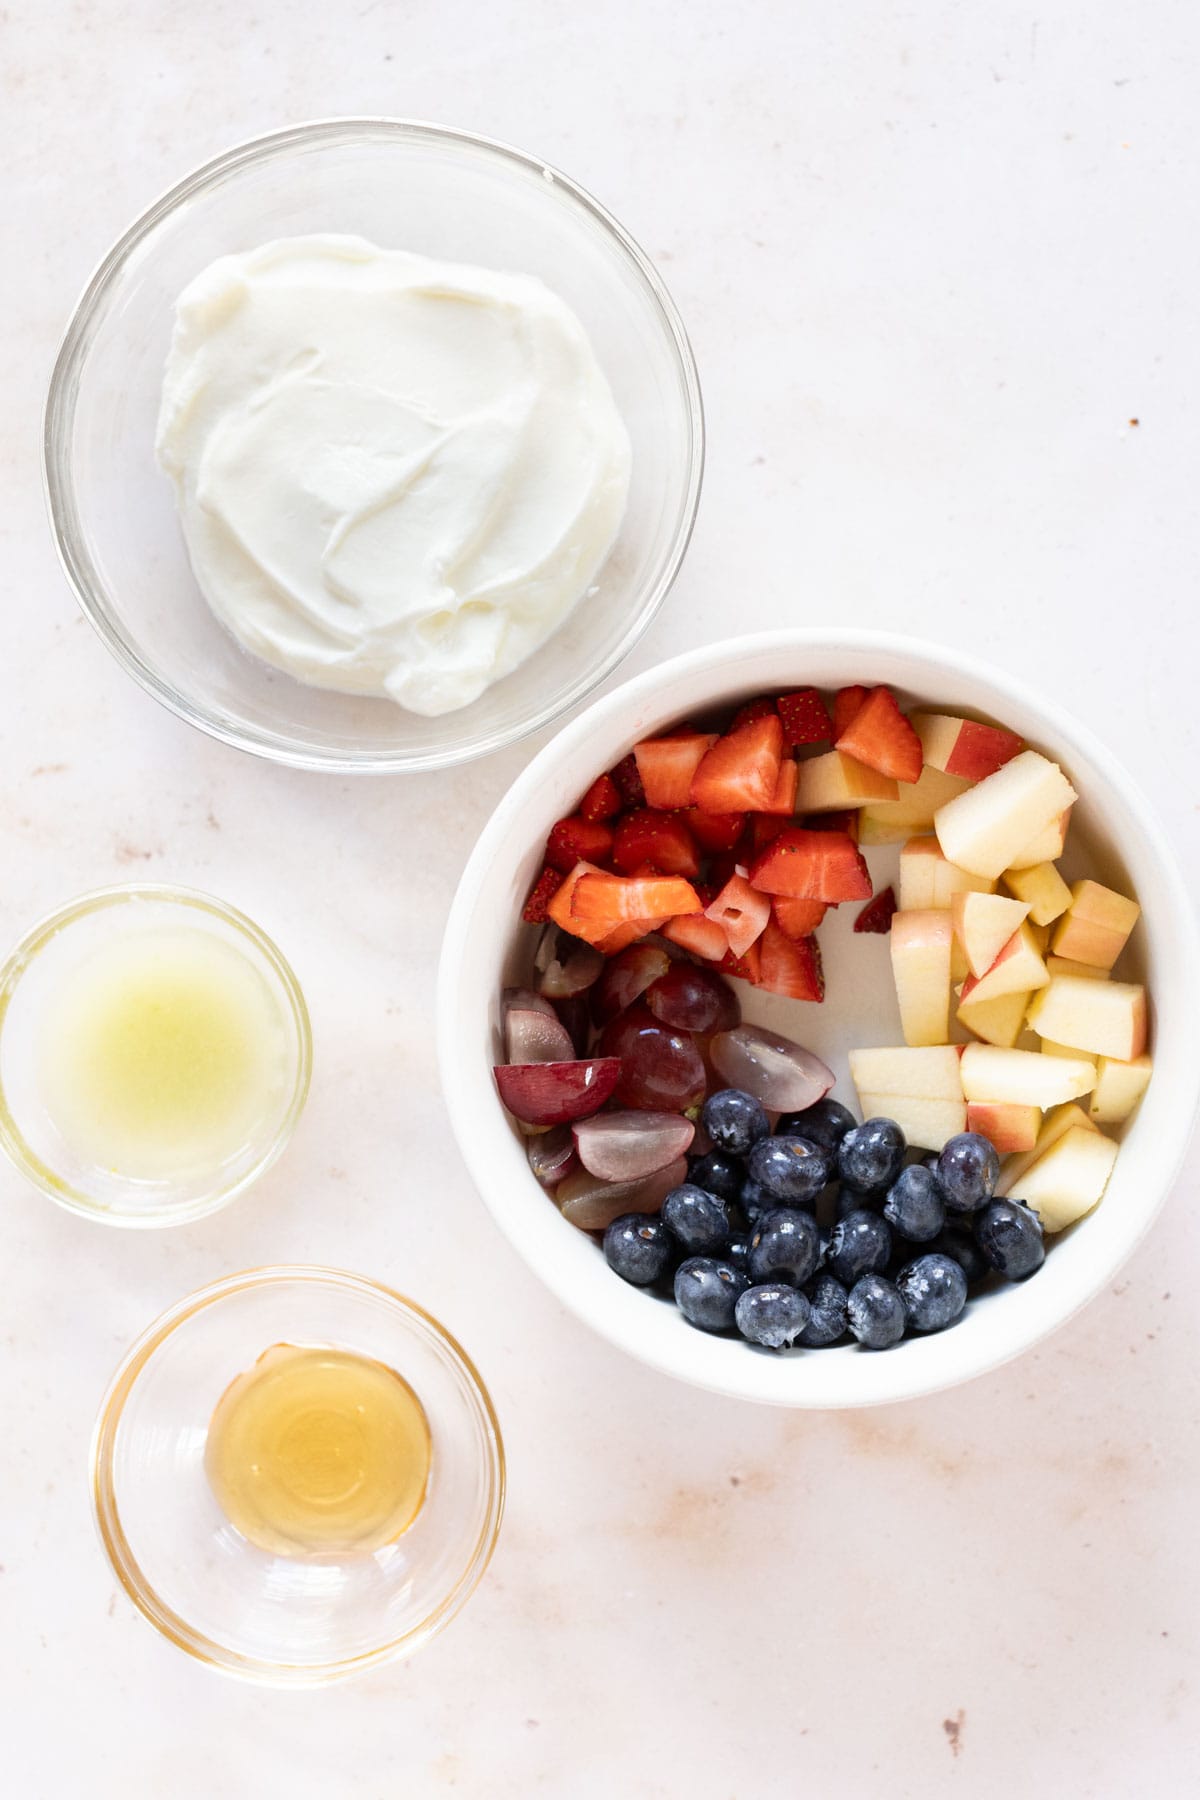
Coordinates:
[626,976]
[555,1093]
[523,1000]
[571,970]
[780,1073]
[661,1066]
[531,1037]
[625,1146]
[593,1204]
[694,999]
[552,1155]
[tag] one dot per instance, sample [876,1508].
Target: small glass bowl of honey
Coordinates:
[297,1474]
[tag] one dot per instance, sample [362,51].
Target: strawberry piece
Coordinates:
[880,736]
[740,772]
[877,914]
[659,839]
[702,936]
[740,912]
[559,908]
[805,718]
[715,831]
[812,865]
[628,782]
[602,800]
[599,902]
[846,821]
[574,840]
[783,802]
[745,968]
[762,708]
[846,704]
[622,936]
[790,967]
[537,908]
[765,828]
[797,918]
[666,766]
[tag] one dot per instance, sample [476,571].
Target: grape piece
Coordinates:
[661,1068]
[625,979]
[531,1037]
[571,971]
[523,1000]
[551,1154]
[555,1093]
[624,1146]
[777,1071]
[591,1204]
[694,999]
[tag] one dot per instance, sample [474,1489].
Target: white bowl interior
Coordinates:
[1113,838]
[404,186]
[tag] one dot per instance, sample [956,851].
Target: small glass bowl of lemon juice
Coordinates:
[155,1054]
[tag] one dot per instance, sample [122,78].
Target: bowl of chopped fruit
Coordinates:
[809,998]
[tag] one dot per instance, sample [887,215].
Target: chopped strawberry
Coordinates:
[559,908]
[790,967]
[834,821]
[846,703]
[877,914]
[740,912]
[599,903]
[765,828]
[715,831]
[622,936]
[805,718]
[666,766]
[660,839]
[740,772]
[702,936]
[746,968]
[797,918]
[812,865]
[762,708]
[602,800]
[536,910]
[574,840]
[783,802]
[628,782]
[880,736]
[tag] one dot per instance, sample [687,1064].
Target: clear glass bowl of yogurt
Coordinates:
[445,195]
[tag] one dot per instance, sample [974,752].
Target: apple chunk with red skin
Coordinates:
[986,829]
[1007,1126]
[920,950]
[1018,969]
[1024,1077]
[1057,1122]
[1096,926]
[964,747]
[1107,1018]
[983,924]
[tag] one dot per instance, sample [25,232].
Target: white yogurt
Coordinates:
[395,476]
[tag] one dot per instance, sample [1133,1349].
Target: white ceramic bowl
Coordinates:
[1114,837]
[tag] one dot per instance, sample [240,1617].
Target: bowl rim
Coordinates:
[39,936]
[58,484]
[463,1093]
[116,1546]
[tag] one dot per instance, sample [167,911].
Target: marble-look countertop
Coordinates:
[940,266]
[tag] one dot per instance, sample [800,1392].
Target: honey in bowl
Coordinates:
[318,1450]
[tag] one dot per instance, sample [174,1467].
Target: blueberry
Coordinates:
[784,1246]
[875,1313]
[706,1292]
[861,1245]
[789,1168]
[638,1246]
[914,1205]
[871,1155]
[934,1291]
[1010,1236]
[696,1218]
[968,1170]
[737,1252]
[824,1124]
[771,1315]
[717,1173]
[961,1247]
[828,1319]
[734,1121]
[754,1199]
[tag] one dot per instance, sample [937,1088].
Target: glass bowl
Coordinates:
[285,1620]
[35,981]
[418,187]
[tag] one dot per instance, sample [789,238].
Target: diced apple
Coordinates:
[1066,1181]
[1096,926]
[1023,1077]
[962,746]
[1062,965]
[927,879]
[1043,888]
[1119,1087]
[832,782]
[983,924]
[1007,1126]
[1048,1047]
[959,972]
[890,822]
[920,947]
[985,829]
[1018,969]
[1057,1122]
[998,1022]
[1105,1017]
[920,1088]
[1047,846]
